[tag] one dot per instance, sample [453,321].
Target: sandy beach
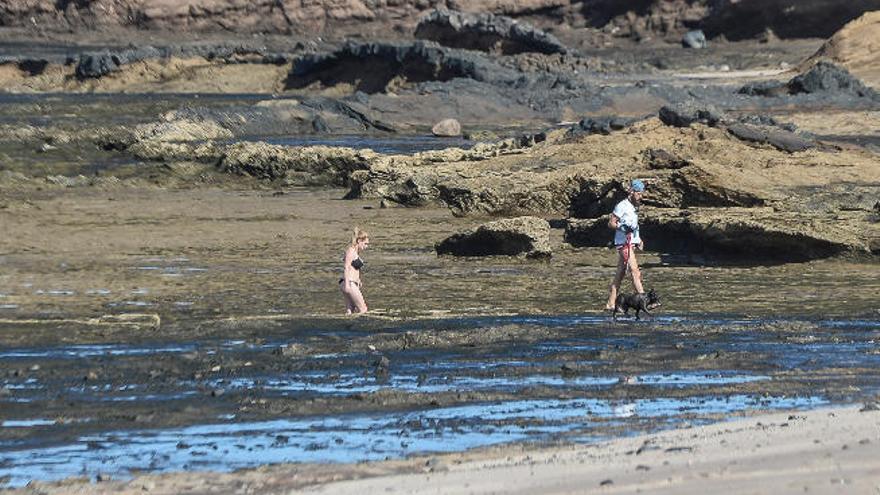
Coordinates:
[832,450]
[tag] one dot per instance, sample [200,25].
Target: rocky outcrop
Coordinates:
[824,78]
[854,47]
[643,20]
[181,130]
[370,67]
[444,177]
[313,165]
[757,234]
[98,64]
[827,77]
[486,32]
[193,15]
[526,236]
[637,19]
[740,19]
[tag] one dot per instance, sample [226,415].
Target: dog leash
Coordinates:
[626,248]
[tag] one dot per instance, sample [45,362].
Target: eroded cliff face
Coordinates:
[785,18]
[638,19]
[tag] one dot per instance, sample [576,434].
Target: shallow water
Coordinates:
[345,396]
[230,446]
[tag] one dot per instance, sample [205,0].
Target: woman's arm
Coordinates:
[350,255]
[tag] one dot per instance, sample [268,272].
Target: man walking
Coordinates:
[625,223]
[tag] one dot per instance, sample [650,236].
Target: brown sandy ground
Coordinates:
[833,450]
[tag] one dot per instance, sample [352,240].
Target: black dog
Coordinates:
[639,302]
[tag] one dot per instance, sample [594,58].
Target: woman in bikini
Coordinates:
[350,283]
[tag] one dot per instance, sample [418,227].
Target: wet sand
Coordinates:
[832,450]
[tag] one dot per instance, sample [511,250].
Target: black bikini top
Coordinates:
[357,263]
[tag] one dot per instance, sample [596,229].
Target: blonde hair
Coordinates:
[358,235]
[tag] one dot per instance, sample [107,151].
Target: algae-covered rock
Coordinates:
[313,165]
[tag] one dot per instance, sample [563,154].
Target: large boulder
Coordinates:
[486,32]
[694,39]
[527,236]
[447,128]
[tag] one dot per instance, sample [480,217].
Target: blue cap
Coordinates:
[637,185]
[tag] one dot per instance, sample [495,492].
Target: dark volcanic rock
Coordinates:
[686,113]
[603,124]
[372,66]
[827,77]
[779,139]
[94,65]
[99,64]
[485,32]
[764,88]
[512,236]
[660,159]
[823,78]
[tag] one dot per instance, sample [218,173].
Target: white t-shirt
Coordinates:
[626,212]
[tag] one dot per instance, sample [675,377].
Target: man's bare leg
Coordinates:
[635,272]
